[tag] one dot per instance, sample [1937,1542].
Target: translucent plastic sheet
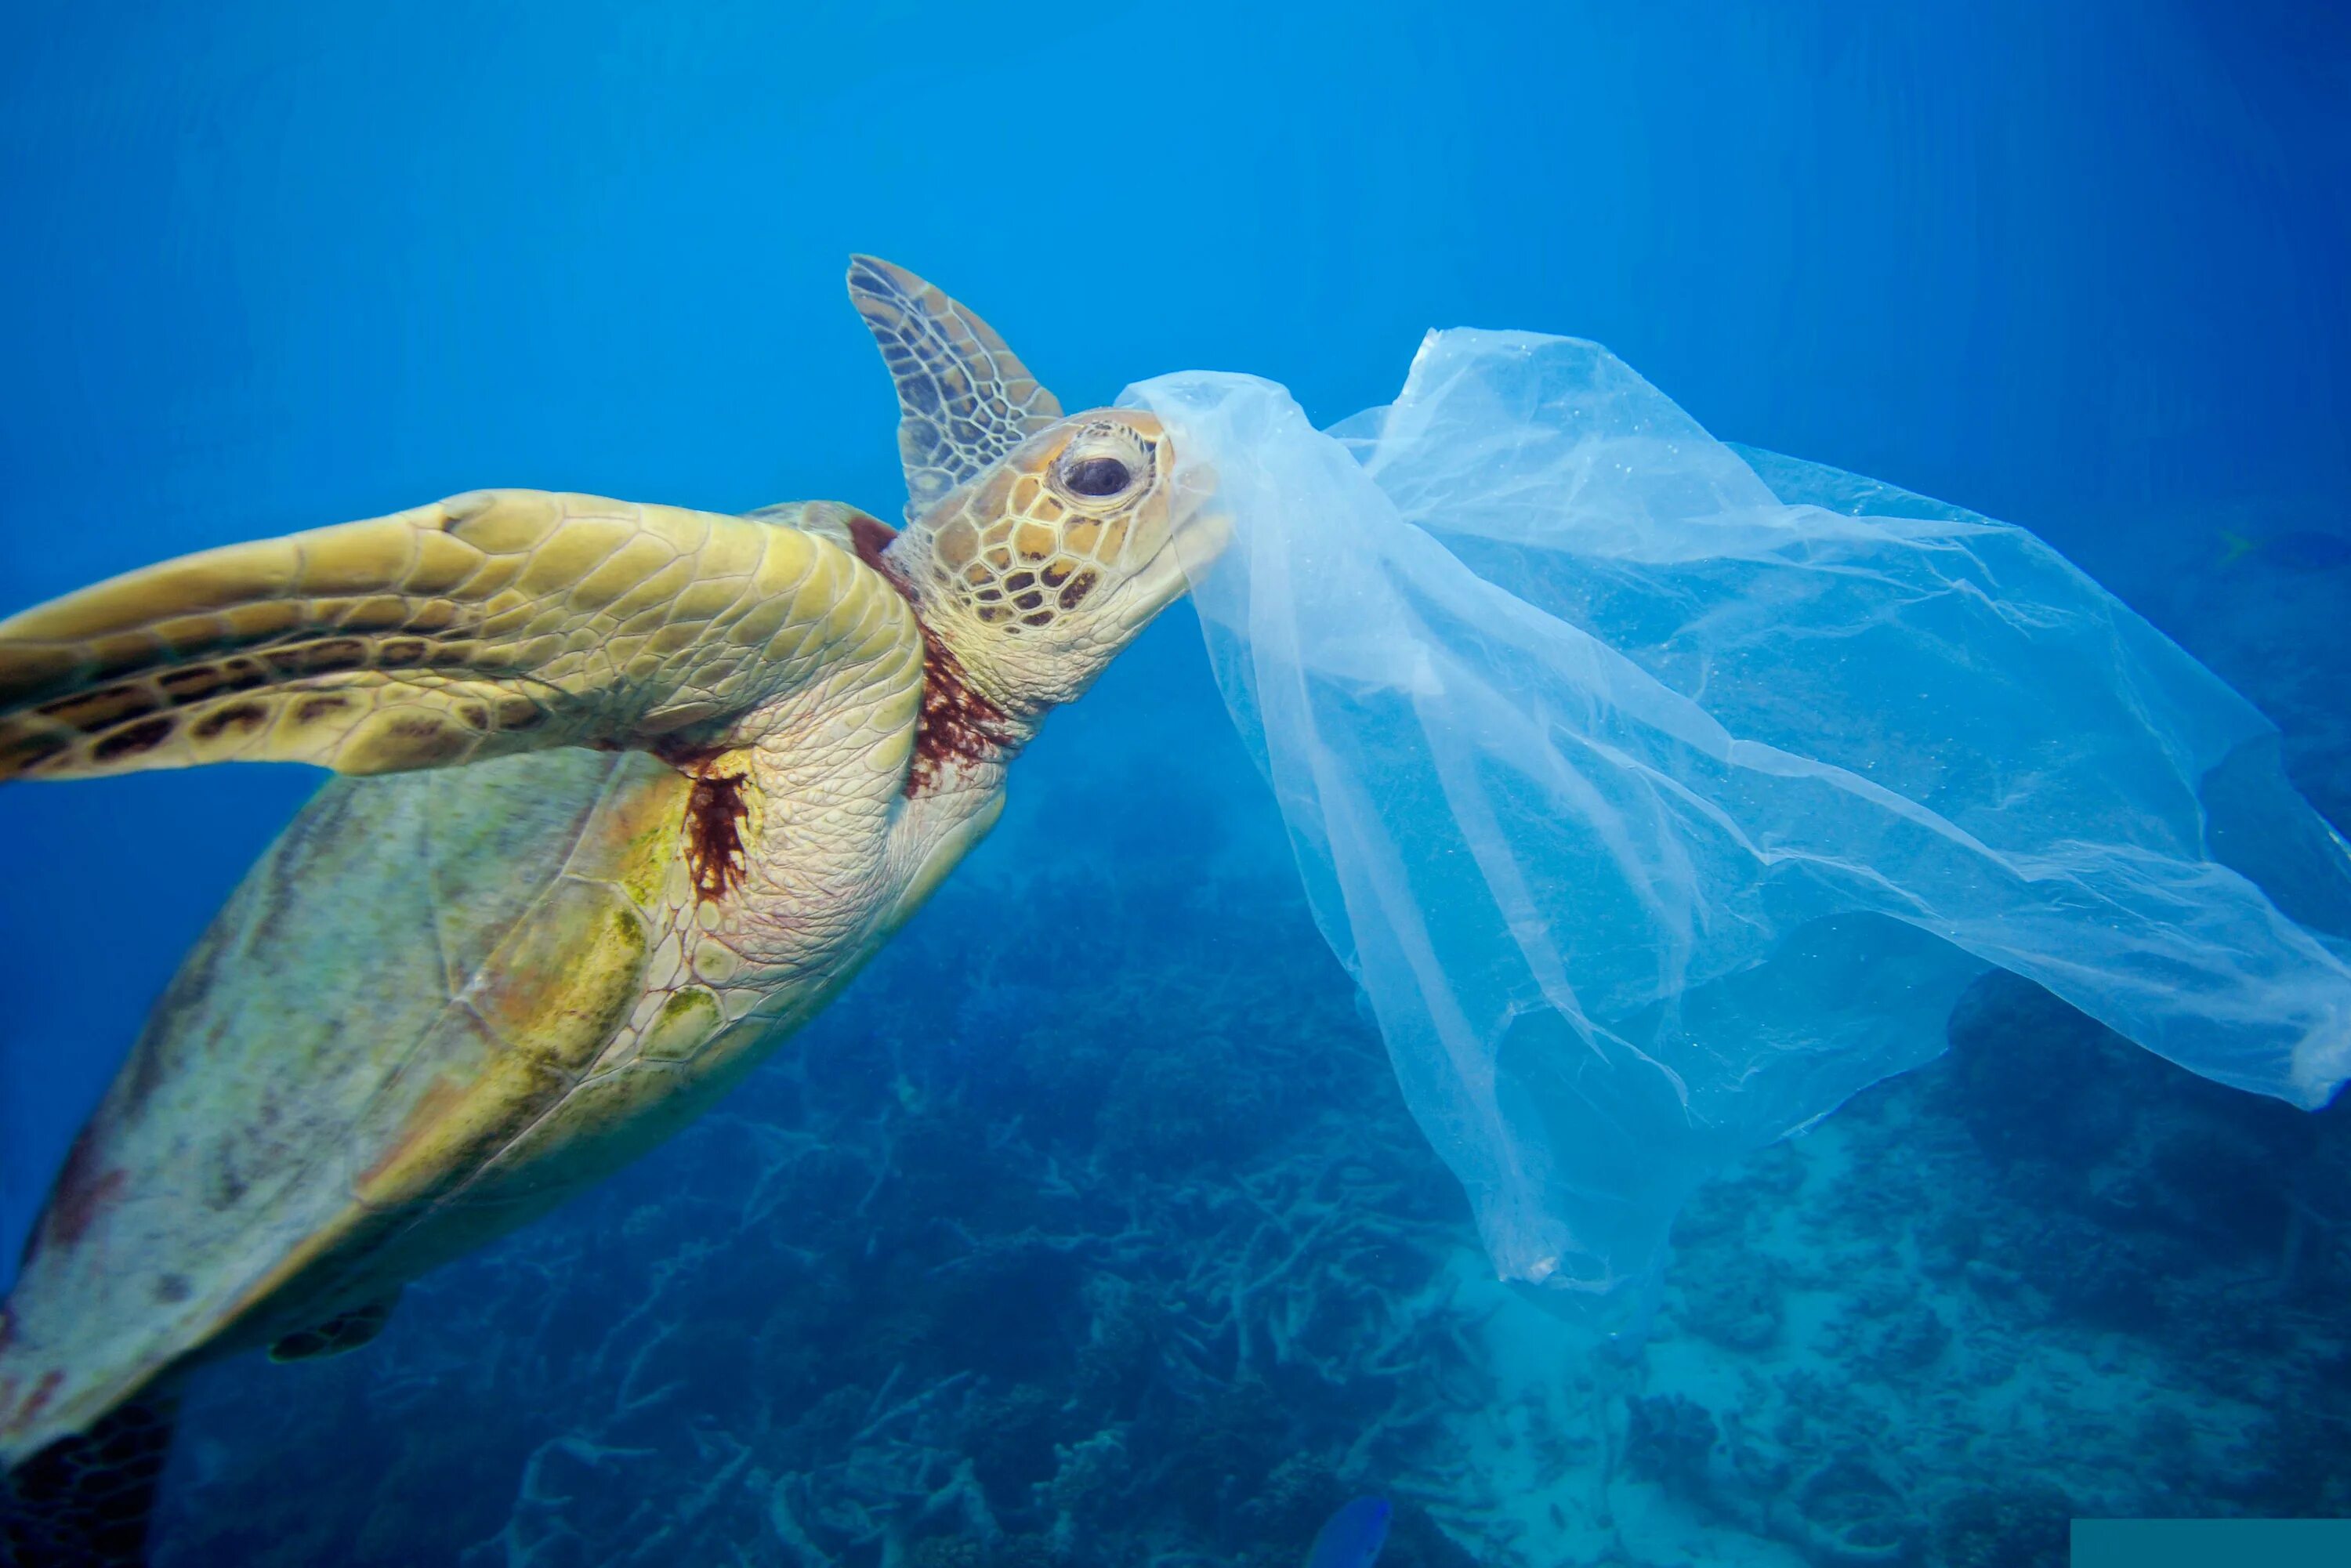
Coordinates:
[1660,796]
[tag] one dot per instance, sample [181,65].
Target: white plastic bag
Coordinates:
[1660,797]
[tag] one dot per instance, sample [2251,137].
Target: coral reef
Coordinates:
[984,1273]
[1088,1228]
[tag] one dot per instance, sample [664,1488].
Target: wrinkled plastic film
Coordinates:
[1660,796]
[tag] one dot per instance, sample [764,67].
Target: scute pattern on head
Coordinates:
[1036,546]
[1038,572]
[1025,547]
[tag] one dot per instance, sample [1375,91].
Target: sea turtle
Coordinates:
[629,792]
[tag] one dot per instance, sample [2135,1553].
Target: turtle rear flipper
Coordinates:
[84,1501]
[343,1331]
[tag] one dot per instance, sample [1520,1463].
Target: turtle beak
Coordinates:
[1199,526]
[1202,528]
[1198,530]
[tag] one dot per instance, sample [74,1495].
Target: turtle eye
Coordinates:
[1097,476]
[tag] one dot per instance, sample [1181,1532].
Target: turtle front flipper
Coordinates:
[963,398]
[497,621]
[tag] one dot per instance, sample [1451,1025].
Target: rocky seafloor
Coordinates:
[1090,1228]
[1158,1281]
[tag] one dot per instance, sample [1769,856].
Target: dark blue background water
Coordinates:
[279,265]
[269,266]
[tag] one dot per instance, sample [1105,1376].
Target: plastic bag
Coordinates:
[1660,797]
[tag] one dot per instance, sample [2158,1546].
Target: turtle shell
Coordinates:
[419,972]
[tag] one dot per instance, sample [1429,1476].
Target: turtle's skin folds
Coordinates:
[630,792]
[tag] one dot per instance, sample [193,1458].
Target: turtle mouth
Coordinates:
[1202,526]
[1198,532]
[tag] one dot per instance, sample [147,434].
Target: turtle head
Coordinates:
[1037,573]
[1037,544]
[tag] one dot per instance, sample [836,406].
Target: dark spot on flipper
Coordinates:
[145,735]
[82,1193]
[240,717]
[428,740]
[401,653]
[520,714]
[33,1404]
[24,753]
[224,1185]
[193,684]
[341,654]
[173,1289]
[313,708]
[91,711]
[330,657]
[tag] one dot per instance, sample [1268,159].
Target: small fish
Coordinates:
[2303,549]
[1352,1538]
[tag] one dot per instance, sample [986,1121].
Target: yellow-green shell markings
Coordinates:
[630,792]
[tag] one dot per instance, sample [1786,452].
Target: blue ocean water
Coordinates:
[1089,1226]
